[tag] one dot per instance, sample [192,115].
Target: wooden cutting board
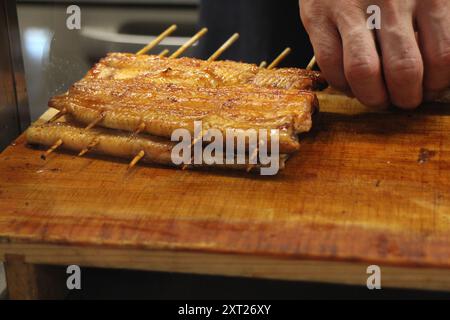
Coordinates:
[365,188]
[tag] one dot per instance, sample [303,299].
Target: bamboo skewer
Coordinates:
[157,40]
[89,147]
[51,149]
[147,48]
[263,64]
[280,58]
[250,159]
[198,139]
[254,155]
[96,121]
[136,159]
[194,142]
[58,115]
[311,64]
[277,60]
[189,43]
[139,129]
[224,47]
[164,53]
[176,54]
[89,127]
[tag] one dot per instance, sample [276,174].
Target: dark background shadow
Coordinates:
[121,284]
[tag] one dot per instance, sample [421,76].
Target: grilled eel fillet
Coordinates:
[203,73]
[114,143]
[125,104]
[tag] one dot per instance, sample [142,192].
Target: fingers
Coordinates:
[434,36]
[362,65]
[408,65]
[402,60]
[328,51]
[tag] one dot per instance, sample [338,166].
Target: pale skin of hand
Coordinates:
[403,63]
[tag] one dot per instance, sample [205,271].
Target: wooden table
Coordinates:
[366,188]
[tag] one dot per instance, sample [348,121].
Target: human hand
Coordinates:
[405,61]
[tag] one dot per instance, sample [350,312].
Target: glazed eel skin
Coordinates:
[127,104]
[115,143]
[203,73]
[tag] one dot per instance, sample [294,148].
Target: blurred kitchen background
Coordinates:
[55,57]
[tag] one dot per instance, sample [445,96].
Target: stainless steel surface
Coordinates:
[56,57]
[129,29]
[14,114]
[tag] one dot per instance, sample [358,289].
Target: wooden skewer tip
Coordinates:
[139,129]
[185,167]
[164,53]
[89,147]
[224,47]
[83,152]
[253,156]
[194,142]
[157,40]
[280,58]
[96,121]
[58,115]
[198,139]
[136,159]
[189,43]
[55,146]
[311,64]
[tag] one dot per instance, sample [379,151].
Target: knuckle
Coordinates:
[361,69]
[405,70]
[437,73]
[347,17]
[440,60]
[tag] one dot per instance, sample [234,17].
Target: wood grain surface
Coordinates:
[252,266]
[28,281]
[365,187]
